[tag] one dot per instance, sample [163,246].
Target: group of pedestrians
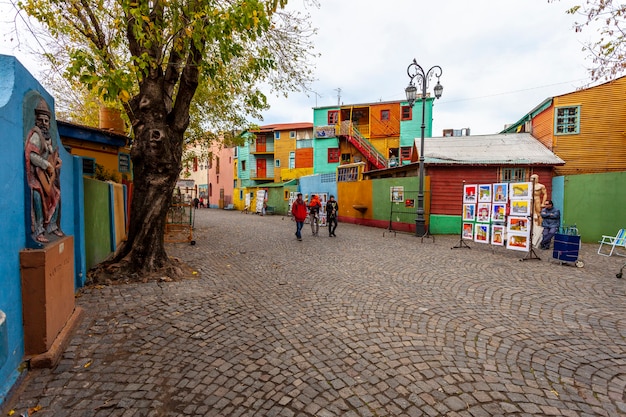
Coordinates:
[300,209]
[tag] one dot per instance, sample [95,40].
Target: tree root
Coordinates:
[114,273]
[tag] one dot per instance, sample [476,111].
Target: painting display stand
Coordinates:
[532,255]
[461,244]
[427,235]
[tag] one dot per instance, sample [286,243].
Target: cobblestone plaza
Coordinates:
[365,324]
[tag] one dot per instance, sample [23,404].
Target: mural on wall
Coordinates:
[43,168]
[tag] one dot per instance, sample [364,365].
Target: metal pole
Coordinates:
[415,71]
[420,221]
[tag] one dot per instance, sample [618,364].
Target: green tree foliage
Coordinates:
[608,50]
[179,69]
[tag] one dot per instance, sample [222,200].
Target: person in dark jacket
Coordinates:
[332,209]
[551,222]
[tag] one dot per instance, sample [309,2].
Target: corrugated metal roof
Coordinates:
[283,126]
[501,149]
[278,184]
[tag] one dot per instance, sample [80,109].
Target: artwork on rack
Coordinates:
[481,233]
[517,241]
[518,224]
[469,212]
[484,193]
[498,212]
[500,192]
[468,231]
[482,212]
[469,193]
[397,194]
[520,208]
[521,191]
[497,234]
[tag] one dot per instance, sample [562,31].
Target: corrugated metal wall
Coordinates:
[601,144]
[447,184]
[304,158]
[385,128]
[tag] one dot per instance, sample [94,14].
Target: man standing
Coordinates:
[551,222]
[299,212]
[42,171]
[332,209]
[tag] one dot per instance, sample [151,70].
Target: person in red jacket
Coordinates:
[299,212]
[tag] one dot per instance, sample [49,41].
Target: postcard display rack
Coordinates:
[499,214]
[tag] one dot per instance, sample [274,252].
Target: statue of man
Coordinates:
[540,196]
[42,171]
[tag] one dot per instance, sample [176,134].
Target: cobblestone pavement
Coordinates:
[364,324]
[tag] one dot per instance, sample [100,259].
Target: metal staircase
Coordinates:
[364,146]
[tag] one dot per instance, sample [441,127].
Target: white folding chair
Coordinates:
[617,241]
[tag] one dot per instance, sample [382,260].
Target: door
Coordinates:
[261,144]
[261,168]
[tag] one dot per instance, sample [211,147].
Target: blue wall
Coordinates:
[320,183]
[18,88]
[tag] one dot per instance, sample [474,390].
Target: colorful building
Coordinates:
[272,154]
[108,149]
[378,134]
[585,128]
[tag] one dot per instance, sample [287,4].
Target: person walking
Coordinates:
[299,212]
[332,209]
[314,212]
[551,222]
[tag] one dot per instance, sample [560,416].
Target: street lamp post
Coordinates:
[417,73]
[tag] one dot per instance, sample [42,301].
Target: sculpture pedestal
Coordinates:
[47,293]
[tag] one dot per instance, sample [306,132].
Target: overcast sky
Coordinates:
[500,58]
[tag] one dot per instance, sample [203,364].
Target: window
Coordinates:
[304,143]
[292,160]
[348,174]
[512,174]
[406,113]
[567,120]
[123,162]
[243,166]
[333,155]
[385,115]
[89,166]
[333,117]
[277,163]
[236,151]
[405,153]
[345,158]
[217,165]
[276,135]
[195,163]
[292,134]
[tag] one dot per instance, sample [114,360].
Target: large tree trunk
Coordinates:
[159,116]
[156,155]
